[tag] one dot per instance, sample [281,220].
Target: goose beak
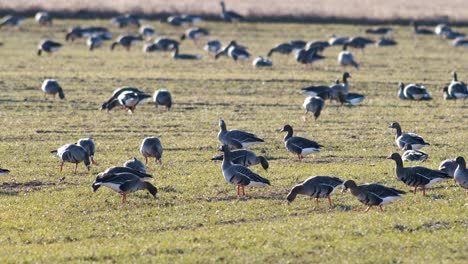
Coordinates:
[93,162]
[389,157]
[281,130]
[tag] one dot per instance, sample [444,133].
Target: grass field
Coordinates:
[197,217]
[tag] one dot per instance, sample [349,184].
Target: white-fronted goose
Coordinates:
[453,35]
[317,187]
[413,155]
[261,62]
[299,145]
[298,44]
[129,100]
[194,34]
[163,97]
[460,42]
[417,176]
[318,45]
[86,32]
[314,104]
[228,15]
[135,164]
[245,158]
[112,101]
[123,183]
[308,56]
[151,47]
[315,90]
[147,31]
[339,91]
[94,42]
[51,86]
[126,169]
[413,92]
[177,56]
[212,46]
[151,147]
[457,89]
[43,19]
[126,41]
[421,31]
[88,145]
[166,44]
[373,194]
[461,173]
[233,50]
[4,172]
[448,166]
[48,46]
[10,20]
[282,48]
[74,154]
[335,41]
[359,42]
[236,139]
[126,21]
[380,31]
[346,58]
[385,42]
[354,98]
[239,175]
[401,139]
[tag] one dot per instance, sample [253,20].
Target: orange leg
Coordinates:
[367,210]
[243,191]
[124,197]
[381,208]
[329,200]
[317,201]
[415,188]
[76,166]
[146,160]
[424,191]
[238,190]
[61,166]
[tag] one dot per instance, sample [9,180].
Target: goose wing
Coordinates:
[247,173]
[382,191]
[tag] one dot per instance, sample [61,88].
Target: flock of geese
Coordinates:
[236,159]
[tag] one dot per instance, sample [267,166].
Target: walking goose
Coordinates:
[317,187]
[48,46]
[12,21]
[448,166]
[314,104]
[245,158]
[236,139]
[112,101]
[177,56]
[299,145]
[417,176]
[135,164]
[413,92]
[228,15]
[212,46]
[339,91]
[123,183]
[163,97]
[239,175]
[140,174]
[413,155]
[380,31]
[457,89]
[421,31]
[51,86]
[461,173]
[88,145]
[4,172]
[74,154]
[43,19]
[373,194]
[346,58]
[194,34]
[126,41]
[151,147]
[260,62]
[401,139]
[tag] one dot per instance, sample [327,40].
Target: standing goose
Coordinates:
[261,62]
[339,91]
[314,90]
[178,56]
[448,166]
[373,194]
[212,46]
[163,97]
[74,154]
[239,175]
[123,183]
[461,173]
[417,176]
[446,94]
[245,158]
[117,169]
[457,89]
[129,100]
[48,46]
[94,42]
[126,41]
[413,155]
[299,145]
[236,139]
[112,101]
[151,147]
[314,104]
[135,164]
[86,32]
[194,34]
[4,172]
[317,187]
[88,145]
[346,58]
[12,21]
[421,31]
[43,19]
[228,15]
[401,139]
[51,86]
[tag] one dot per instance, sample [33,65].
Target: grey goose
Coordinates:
[212,46]
[448,166]
[314,104]
[51,87]
[125,169]
[233,50]
[421,31]
[11,20]
[282,48]
[112,101]
[194,34]
[354,98]
[440,29]
[346,58]
[457,89]
[236,139]
[126,21]
[164,98]
[373,194]
[401,139]
[147,31]
[413,155]
[177,56]
[261,62]
[239,175]
[86,32]
[339,91]
[4,172]
[413,92]
[245,158]
[178,21]
[129,100]
[299,145]
[43,19]
[461,173]
[359,42]
[308,56]
[126,41]
[74,154]
[135,164]
[166,44]
[461,41]
[385,42]
[151,148]
[94,42]
[453,35]
[318,45]
[379,31]
[336,41]
[417,176]
[89,146]
[48,46]
[123,183]
[228,15]
[316,187]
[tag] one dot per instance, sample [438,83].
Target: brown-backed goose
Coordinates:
[421,31]
[228,15]
[48,46]
[126,41]
[135,164]
[195,34]
[151,147]
[339,91]
[448,166]
[74,154]
[380,31]
[401,139]
[89,146]
[317,187]
[164,98]
[126,21]
[299,145]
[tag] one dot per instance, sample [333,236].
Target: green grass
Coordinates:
[197,217]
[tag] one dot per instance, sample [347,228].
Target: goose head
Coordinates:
[455,78]
[222,124]
[151,189]
[401,85]
[286,128]
[394,125]
[395,156]
[346,75]
[349,184]
[461,162]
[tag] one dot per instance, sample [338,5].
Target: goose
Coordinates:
[384,42]
[51,86]
[48,46]
[317,187]
[112,101]
[192,19]
[228,15]
[414,92]
[236,139]
[125,169]
[261,62]
[315,90]
[453,35]
[448,166]
[194,34]
[401,139]
[417,176]
[457,89]
[245,158]
[10,20]
[125,21]
[151,147]
[212,46]
[163,97]
[299,145]
[308,56]
[94,42]
[354,98]
[74,154]
[234,51]
[135,164]
[123,183]
[86,32]
[461,41]
[147,31]
[314,104]
[88,145]
[177,21]
[346,58]
[129,100]
[126,41]
[4,172]
[461,173]
[421,31]
[359,42]
[380,31]
[339,91]
[166,44]
[373,194]
[318,45]
[43,19]
[282,48]
[298,44]
[151,47]
[239,175]
[413,155]
[177,56]
[446,94]
[440,29]
[336,41]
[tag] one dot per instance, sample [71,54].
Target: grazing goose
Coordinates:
[384,42]
[152,47]
[413,92]
[234,51]
[453,35]
[460,42]
[417,176]
[129,100]
[457,89]
[359,42]
[239,175]
[299,145]
[51,86]
[298,44]
[151,147]
[135,164]
[147,31]
[354,98]
[126,21]
[236,139]
[282,48]
[317,45]
[4,172]
[440,29]
[317,187]
[86,32]
[228,15]
[126,169]
[413,155]
[12,21]
[177,56]
[94,42]
[48,46]
[245,158]
[339,91]
[461,173]
[212,46]
[261,62]
[373,194]
[421,31]
[448,166]
[43,19]
[194,34]
[126,41]
[308,56]
[346,58]
[74,154]
[88,145]
[176,21]
[112,101]
[166,44]
[163,97]
[380,31]
[401,139]
[123,183]
[314,104]
[336,41]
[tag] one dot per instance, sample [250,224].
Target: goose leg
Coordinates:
[415,188]
[124,197]
[238,189]
[299,157]
[381,208]
[304,117]
[146,160]
[367,210]
[243,191]
[317,201]
[329,200]
[424,191]
[76,166]
[61,166]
